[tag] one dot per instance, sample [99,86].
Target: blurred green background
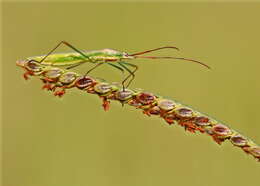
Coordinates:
[72,141]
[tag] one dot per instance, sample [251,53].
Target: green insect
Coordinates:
[110,57]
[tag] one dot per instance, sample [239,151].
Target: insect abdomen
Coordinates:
[62,59]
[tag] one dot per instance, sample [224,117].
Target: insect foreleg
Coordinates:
[67,44]
[132,73]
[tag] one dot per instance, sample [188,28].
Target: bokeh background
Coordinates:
[72,141]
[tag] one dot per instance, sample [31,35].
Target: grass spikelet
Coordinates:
[59,81]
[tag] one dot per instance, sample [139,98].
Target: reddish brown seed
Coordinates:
[169,118]
[184,112]
[102,88]
[124,95]
[154,110]
[59,93]
[166,104]
[208,130]
[53,73]
[134,103]
[67,77]
[201,121]
[105,104]
[33,66]
[189,126]
[238,140]
[219,140]
[27,74]
[48,86]
[221,130]
[255,151]
[84,82]
[145,98]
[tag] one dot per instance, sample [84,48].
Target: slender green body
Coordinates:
[111,57]
[73,58]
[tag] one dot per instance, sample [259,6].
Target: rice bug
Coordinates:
[111,57]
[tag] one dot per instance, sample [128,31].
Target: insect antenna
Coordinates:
[147,51]
[179,58]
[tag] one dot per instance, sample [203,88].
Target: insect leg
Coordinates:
[132,73]
[67,44]
[97,65]
[113,65]
[119,68]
